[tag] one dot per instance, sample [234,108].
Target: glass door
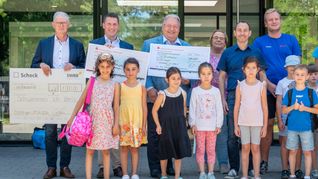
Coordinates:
[23,23]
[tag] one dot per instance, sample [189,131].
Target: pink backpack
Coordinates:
[80,131]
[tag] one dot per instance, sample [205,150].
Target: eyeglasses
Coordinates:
[218,38]
[61,23]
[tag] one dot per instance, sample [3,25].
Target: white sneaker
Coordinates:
[202,176]
[232,174]
[135,177]
[125,177]
[211,176]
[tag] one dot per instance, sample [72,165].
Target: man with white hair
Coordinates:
[58,51]
[170,33]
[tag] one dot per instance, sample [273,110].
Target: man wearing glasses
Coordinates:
[58,51]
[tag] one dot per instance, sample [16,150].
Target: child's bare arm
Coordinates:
[116,110]
[236,110]
[279,99]
[78,105]
[154,111]
[237,105]
[144,108]
[287,109]
[264,106]
[313,110]
[185,104]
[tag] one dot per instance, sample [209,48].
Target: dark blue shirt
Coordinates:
[232,61]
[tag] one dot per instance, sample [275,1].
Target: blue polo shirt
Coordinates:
[232,61]
[275,51]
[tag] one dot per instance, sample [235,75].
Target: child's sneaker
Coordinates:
[211,176]
[285,174]
[202,176]
[250,173]
[232,174]
[163,177]
[125,177]
[135,177]
[263,167]
[314,174]
[299,174]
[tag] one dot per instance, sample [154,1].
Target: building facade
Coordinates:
[24,22]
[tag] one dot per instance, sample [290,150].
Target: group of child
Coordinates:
[119,113]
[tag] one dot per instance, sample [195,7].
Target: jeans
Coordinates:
[153,143]
[221,144]
[51,147]
[233,141]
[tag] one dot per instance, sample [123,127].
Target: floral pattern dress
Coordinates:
[131,116]
[101,110]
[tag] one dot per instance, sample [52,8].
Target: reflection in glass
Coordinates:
[140,21]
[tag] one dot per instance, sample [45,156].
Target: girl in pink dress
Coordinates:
[104,109]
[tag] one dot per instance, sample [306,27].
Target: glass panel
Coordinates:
[254,24]
[198,29]
[23,23]
[217,6]
[247,6]
[300,18]
[142,20]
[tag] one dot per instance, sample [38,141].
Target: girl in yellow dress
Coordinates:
[132,117]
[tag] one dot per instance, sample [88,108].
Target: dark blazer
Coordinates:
[44,53]
[122,44]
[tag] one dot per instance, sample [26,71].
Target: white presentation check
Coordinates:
[36,98]
[120,56]
[186,58]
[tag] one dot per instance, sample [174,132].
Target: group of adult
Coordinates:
[62,51]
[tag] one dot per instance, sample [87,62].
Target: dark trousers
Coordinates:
[51,147]
[153,142]
[232,143]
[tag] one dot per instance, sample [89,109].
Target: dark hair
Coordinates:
[251,59]
[104,57]
[131,60]
[312,68]
[215,31]
[171,71]
[205,65]
[111,14]
[243,22]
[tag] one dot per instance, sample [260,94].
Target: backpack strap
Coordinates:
[310,91]
[89,93]
[289,95]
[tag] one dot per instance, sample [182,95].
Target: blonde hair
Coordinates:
[269,11]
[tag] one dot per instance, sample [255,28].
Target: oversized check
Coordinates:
[120,56]
[186,58]
[36,98]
